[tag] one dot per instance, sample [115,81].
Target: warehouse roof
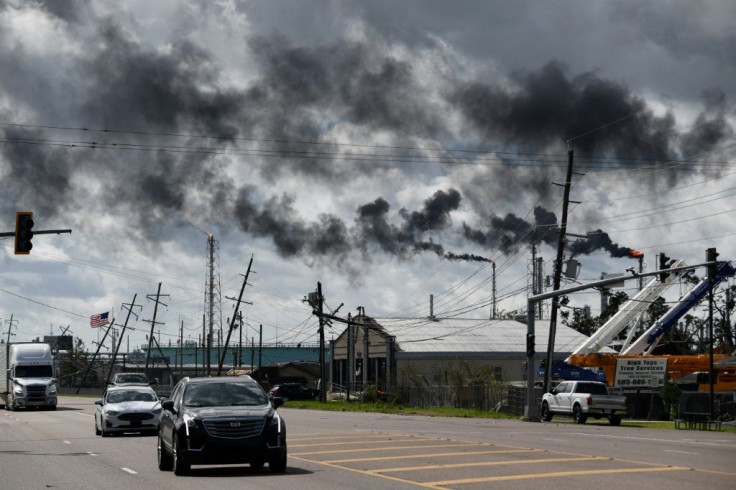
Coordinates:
[452,336]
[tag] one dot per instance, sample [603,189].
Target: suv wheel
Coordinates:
[181,467]
[165,462]
[278,465]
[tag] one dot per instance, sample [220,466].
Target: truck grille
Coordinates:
[235,428]
[36,393]
[135,416]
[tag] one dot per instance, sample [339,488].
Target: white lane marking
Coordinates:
[129,471]
[84,414]
[67,442]
[680,452]
[91,454]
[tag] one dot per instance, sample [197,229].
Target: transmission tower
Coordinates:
[212,297]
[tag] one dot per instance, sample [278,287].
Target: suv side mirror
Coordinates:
[277,401]
[168,405]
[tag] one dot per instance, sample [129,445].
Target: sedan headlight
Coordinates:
[108,411]
[156,409]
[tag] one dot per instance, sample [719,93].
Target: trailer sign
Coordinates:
[640,373]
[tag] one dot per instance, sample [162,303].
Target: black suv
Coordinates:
[220,421]
[294,391]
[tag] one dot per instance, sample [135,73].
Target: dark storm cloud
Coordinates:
[298,92]
[548,107]
[68,10]
[710,128]
[131,87]
[35,177]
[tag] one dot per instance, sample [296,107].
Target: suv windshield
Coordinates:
[224,394]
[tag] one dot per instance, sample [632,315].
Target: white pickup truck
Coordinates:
[581,399]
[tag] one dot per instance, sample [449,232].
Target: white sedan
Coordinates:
[127,409]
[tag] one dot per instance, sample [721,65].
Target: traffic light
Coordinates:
[710,256]
[23,232]
[530,345]
[663,265]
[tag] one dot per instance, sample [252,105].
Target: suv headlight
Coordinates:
[276,420]
[52,389]
[190,422]
[18,389]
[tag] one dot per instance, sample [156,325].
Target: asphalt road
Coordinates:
[329,450]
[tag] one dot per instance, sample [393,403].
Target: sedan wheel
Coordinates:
[97,429]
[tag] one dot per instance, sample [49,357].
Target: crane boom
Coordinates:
[649,339]
[627,313]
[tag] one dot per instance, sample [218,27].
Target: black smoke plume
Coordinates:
[599,240]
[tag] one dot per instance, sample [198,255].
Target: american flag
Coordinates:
[98,320]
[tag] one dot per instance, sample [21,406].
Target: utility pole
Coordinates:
[322,371]
[153,322]
[91,363]
[122,333]
[240,343]
[232,322]
[181,349]
[10,327]
[557,273]
[260,346]
[710,256]
[205,348]
[493,293]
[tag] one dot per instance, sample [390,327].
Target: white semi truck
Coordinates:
[27,376]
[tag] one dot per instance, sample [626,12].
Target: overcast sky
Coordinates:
[382,152]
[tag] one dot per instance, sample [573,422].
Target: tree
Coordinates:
[74,364]
[670,394]
[581,320]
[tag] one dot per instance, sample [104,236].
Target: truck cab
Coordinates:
[28,372]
